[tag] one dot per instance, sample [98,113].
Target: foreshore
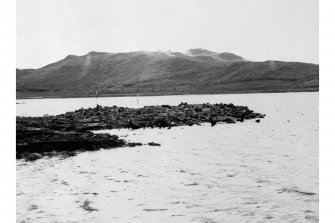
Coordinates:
[145,94]
[66,133]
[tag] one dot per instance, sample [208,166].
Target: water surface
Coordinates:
[243,172]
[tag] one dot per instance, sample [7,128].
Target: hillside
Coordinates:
[196,71]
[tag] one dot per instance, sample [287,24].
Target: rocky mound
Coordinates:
[147,117]
[71,131]
[44,141]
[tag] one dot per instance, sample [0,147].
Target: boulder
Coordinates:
[133,144]
[52,153]
[206,110]
[161,122]
[133,125]
[154,144]
[69,153]
[229,119]
[213,120]
[189,123]
[33,157]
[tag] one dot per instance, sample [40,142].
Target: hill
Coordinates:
[196,71]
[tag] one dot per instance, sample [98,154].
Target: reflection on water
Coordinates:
[243,172]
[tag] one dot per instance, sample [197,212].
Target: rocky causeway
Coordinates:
[68,133]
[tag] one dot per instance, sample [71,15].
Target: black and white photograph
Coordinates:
[164,111]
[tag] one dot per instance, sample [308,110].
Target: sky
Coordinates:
[258,30]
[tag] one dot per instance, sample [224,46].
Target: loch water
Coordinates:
[243,172]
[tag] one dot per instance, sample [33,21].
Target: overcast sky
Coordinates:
[49,30]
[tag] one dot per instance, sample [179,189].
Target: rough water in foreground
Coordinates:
[243,172]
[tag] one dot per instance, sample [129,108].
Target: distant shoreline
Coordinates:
[170,93]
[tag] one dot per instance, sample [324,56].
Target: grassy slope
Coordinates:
[156,72]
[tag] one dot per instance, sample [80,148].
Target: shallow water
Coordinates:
[243,172]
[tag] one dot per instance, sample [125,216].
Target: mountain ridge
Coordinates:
[164,72]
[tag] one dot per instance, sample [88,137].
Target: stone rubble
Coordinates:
[49,135]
